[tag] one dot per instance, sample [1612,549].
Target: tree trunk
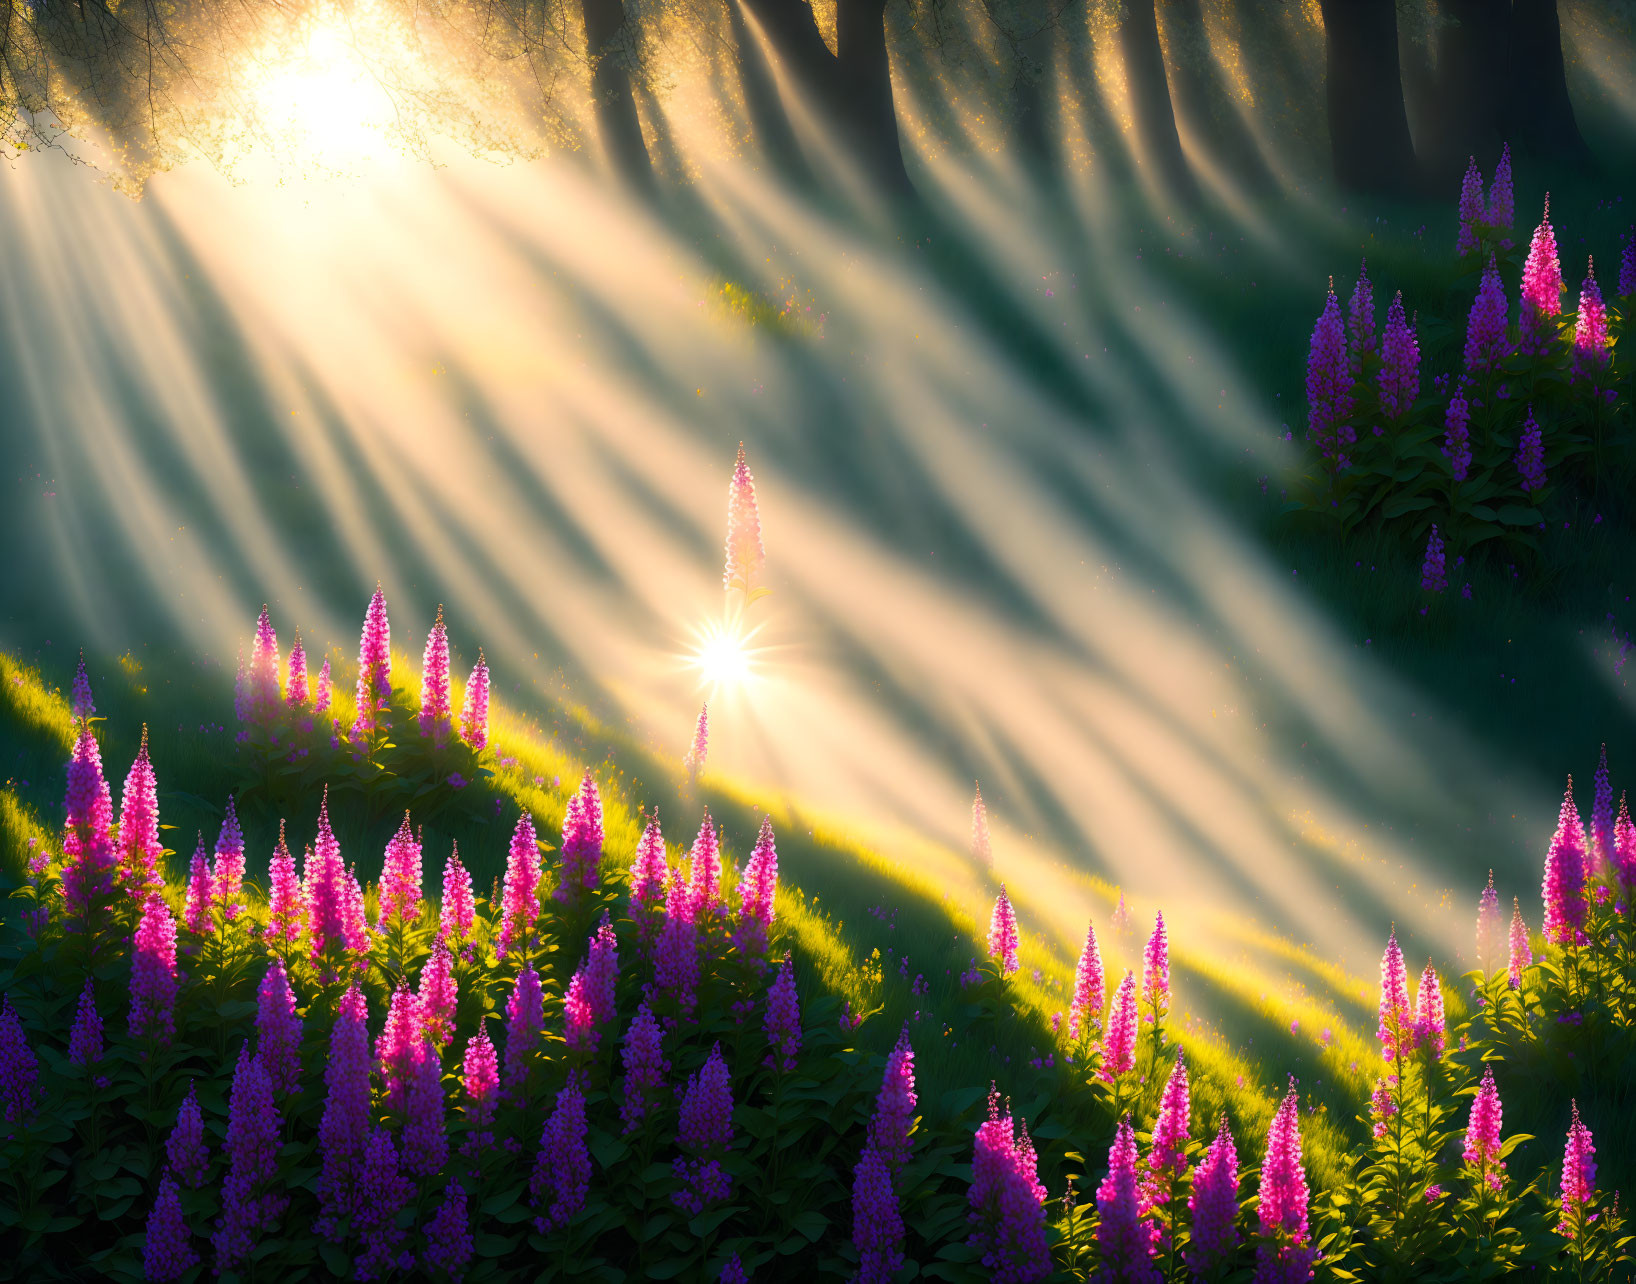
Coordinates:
[1471,60]
[1541,114]
[1205,111]
[853,87]
[1161,146]
[1368,123]
[768,120]
[615,105]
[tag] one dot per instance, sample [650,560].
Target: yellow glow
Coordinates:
[723,655]
[322,102]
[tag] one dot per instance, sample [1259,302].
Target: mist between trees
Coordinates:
[1384,97]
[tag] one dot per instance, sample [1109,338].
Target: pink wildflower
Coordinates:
[286,909]
[323,691]
[1119,1035]
[1396,1031]
[1578,1175]
[1490,927]
[1002,934]
[693,763]
[374,669]
[80,703]
[227,873]
[1282,1206]
[1591,344]
[1123,1234]
[676,957]
[296,687]
[1167,1160]
[581,841]
[704,870]
[982,850]
[153,973]
[1156,972]
[520,907]
[459,910]
[1483,1144]
[474,714]
[139,845]
[1541,287]
[400,876]
[1522,954]
[745,554]
[438,994]
[1090,986]
[400,1045]
[1624,850]
[757,891]
[648,872]
[1429,1024]
[434,683]
[264,695]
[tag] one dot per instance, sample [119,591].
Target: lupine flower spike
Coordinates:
[1007,1201]
[1433,570]
[1541,287]
[153,973]
[757,894]
[1125,1240]
[877,1225]
[1429,1023]
[1155,999]
[1482,1150]
[1600,833]
[1624,850]
[434,683]
[1361,321]
[323,690]
[562,1174]
[520,907]
[374,668]
[693,763]
[167,1248]
[1530,457]
[286,907]
[982,850]
[278,1030]
[185,1148]
[1563,889]
[704,870]
[1399,363]
[1282,1206]
[1578,1176]
[1501,213]
[1396,1028]
[783,1022]
[400,877]
[1522,953]
[1089,986]
[1470,209]
[1591,345]
[344,1128]
[1457,433]
[19,1069]
[1627,265]
[1002,934]
[642,1057]
[704,1135]
[449,1243]
[85,1039]
[1119,1035]
[891,1124]
[474,714]
[249,1204]
[1490,928]
[139,845]
[264,694]
[459,910]
[1329,386]
[296,686]
[745,554]
[582,837]
[1214,1204]
[1486,341]
[80,703]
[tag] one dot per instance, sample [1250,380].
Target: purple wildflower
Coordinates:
[1399,363]
[449,1244]
[1471,208]
[894,1118]
[1361,321]
[1591,344]
[1123,1233]
[581,841]
[877,1225]
[704,1134]
[1457,434]
[1627,265]
[345,1124]
[167,1248]
[251,1147]
[525,1015]
[382,1192]
[1214,1204]
[185,1148]
[783,1021]
[648,875]
[562,1174]
[296,687]
[278,1030]
[227,873]
[425,1143]
[1601,835]
[1486,341]
[1490,928]
[1329,385]
[1522,954]
[1433,571]
[80,703]
[757,891]
[85,1039]
[19,1067]
[286,909]
[263,695]
[1500,214]
[693,763]
[323,690]
[643,1059]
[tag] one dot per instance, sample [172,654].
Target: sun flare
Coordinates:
[723,655]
